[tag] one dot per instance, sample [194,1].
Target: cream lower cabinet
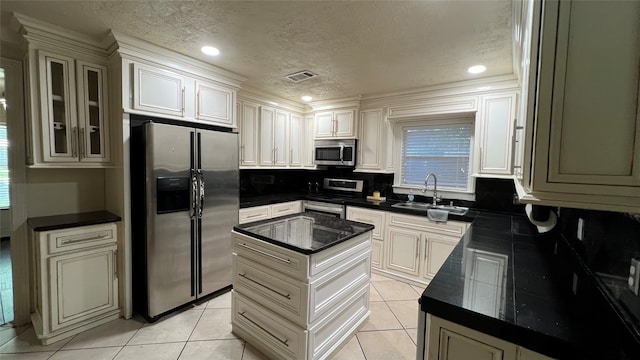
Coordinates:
[445,340]
[264,212]
[376,218]
[415,248]
[76,280]
[295,306]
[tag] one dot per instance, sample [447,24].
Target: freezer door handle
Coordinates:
[200,193]
[194,194]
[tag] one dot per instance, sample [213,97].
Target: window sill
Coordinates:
[446,194]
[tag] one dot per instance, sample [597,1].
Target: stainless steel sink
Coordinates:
[423,207]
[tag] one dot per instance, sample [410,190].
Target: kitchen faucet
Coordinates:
[435,187]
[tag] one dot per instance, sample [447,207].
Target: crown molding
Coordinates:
[322,105]
[263,98]
[467,87]
[136,49]
[55,37]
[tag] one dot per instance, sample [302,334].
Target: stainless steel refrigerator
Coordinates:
[184,205]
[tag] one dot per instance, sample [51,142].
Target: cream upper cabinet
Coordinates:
[69,101]
[497,121]
[248,133]
[281,137]
[158,90]
[586,150]
[307,158]
[166,92]
[371,141]
[335,124]
[273,136]
[296,140]
[214,103]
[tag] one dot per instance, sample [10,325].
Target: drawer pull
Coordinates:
[98,237]
[265,253]
[254,215]
[287,296]
[284,342]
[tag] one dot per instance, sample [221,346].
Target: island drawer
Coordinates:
[276,291]
[284,260]
[266,330]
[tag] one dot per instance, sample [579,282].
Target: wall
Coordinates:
[5,223]
[610,241]
[63,191]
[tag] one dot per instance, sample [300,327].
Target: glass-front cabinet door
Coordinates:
[58,108]
[74,123]
[92,113]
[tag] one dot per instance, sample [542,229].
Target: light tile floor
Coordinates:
[204,332]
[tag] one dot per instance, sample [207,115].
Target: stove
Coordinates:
[331,202]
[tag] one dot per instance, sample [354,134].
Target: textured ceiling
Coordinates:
[356,47]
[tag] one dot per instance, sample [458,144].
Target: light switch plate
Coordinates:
[580,229]
[634,276]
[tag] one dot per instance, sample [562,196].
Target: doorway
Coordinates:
[6,277]
[14,251]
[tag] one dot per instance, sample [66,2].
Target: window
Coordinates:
[442,148]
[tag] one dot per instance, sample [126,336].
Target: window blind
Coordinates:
[439,149]
[4,167]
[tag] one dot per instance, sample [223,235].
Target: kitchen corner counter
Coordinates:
[65,221]
[500,280]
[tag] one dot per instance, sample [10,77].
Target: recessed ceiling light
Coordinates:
[477,69]
[307,98]
[210,50]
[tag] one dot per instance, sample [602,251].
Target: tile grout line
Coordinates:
[192,330]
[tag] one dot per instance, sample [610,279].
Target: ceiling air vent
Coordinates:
[301,76]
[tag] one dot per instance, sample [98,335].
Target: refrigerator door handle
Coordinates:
[194,194]
[200,192]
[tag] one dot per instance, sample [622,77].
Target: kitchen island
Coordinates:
[300,284]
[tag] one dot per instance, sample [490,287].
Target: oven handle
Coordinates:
[322,208]
[342,153]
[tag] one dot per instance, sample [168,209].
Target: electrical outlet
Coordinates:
[634,276]
[580,229]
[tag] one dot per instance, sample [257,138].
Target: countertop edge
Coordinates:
[66,221]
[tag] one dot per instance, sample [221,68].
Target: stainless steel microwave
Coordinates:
[335,152]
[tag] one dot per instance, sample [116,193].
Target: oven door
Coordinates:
[328,209]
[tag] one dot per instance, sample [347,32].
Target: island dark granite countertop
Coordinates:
[65,221]
[306,233]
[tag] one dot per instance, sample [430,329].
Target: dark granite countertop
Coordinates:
[306,233]
[259,200]
[500,280]
[65,221]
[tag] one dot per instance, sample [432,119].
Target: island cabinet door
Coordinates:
[403,250]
